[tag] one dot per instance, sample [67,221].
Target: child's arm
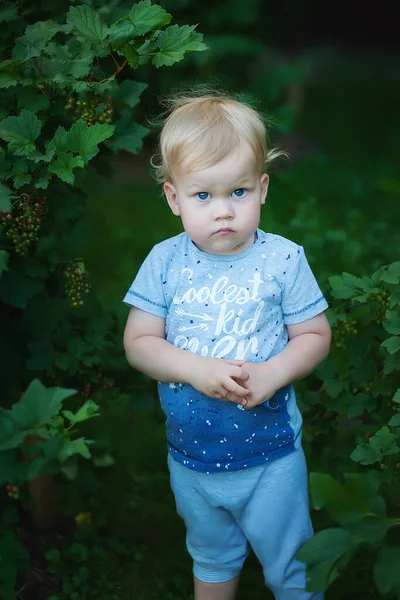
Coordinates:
[308,345]
[149,352]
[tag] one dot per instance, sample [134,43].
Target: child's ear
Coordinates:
[264,187]
[170,194]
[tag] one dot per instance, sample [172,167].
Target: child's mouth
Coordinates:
[224,231]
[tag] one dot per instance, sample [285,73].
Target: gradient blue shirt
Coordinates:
[232,307]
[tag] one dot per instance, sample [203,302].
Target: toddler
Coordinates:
[226,317]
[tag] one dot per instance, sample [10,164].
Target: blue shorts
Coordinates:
[264,507]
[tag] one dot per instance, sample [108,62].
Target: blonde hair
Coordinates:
[201,130]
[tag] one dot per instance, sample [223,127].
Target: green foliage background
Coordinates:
[337,115]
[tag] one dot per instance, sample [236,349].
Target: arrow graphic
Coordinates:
[203,317]
[203,326]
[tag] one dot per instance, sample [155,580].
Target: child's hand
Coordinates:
[261,383]
[222,379]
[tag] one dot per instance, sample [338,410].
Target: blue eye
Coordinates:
[203,195]
[239,193]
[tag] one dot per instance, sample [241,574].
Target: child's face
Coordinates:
[220,205]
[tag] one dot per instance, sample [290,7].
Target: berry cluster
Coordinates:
[88,387]
[106,385]
[22,225]
[76,285]
[12,491]
[89,109]
[383,300]
[342,331]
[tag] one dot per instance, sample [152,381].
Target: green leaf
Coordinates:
[147,50]
[365,455]
[106,460]
[8,13]
[21,132]
[365,284]
[53,446]
[364,370]
[326,554]
[384,441]
[71,447]
[22,178]
[360,403]
[130,91]
[371,529]
[381,444]
[345,503]
[343,286]
[39,404]
[390,364]
[392,322]
[62,361]
[334,387]
[11,435]
[77,347]
[391,274]
[174,42]
[87,411]
[4,258]
[84,140]
[43,182]
[14,556]
[35,39]
[9,75]
[4,197]
[20,172]
[17,288]
[396,397]
[57,53]
[88,23]
[394,269]
[70,468]
[386,570]
[146,17]
[78,552]
[392,344]
[127,137]
[59,142]
[130,54]
[64,164]
[395,420]
[32,99]
[120,33]
[80,67]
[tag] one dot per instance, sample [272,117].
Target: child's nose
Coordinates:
[223,209]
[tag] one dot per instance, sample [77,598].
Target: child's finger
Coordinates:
[238,363]
[241,374]
[234,388]
[232,397]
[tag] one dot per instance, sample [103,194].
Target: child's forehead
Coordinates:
[239,162]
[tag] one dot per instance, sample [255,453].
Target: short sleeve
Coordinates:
[146,291]
[302,298]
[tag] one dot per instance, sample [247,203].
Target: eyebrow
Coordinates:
[239,183]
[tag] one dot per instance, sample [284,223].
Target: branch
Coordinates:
[115,72]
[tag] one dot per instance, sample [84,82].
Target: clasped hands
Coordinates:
[245,383]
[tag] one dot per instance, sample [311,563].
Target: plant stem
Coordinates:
[116,72]
[115,60]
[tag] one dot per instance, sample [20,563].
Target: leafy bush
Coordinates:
[61,100]
[357,394]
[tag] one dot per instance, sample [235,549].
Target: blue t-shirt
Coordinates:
[233,307]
